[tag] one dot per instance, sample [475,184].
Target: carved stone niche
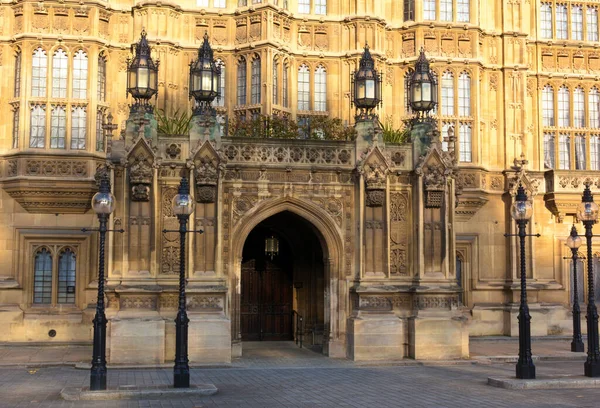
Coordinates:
[206,174]
[375,181]
[140,178]
[434,182]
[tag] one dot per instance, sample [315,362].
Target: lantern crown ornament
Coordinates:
[423,87]
[366,87]
[142,75]
[205,79]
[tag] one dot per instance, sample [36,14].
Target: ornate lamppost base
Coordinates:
[591,368]
[181,377]
[525,371]
[577,347]
[98,380]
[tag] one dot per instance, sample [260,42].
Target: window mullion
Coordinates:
[54,301]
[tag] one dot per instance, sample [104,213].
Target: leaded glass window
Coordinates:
[99,131]
[546,20]
[577,23]
[595,152]
[429,9]
[578,108]
[201,3]
[303,88]
[304,6]
[17,88]
[320,89]
[42,277]
[66,277]
[220,3]
[220,100]
[463,11]
[284,87]
[15,133]
[464,95]
[561,22]
[58,128]
[275,81]
[447,94]
[39,73]
[80,72]
[37,136]
[465,143]
[101,78]
[592,23]
[593,101]
[548,106]
[446,10]
[579,152]
[549,151]
[564,119]
[241,82]
[60,64]
[78,128]
[564,152]
[409,10]
[321,7]
[255,81]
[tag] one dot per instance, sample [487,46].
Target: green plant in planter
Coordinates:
[392,135]
[177,124]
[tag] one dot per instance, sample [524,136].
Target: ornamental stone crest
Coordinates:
[375,171]
[206,174]
[141,172]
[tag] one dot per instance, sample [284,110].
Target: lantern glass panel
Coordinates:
[132,79]
[426,92]
[142,79]
[360,90]
[370,91]
[206,81]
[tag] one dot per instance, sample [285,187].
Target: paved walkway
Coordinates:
[287,354]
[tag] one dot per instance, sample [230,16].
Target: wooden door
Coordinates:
[266,302]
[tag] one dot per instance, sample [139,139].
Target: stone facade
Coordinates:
[386,218]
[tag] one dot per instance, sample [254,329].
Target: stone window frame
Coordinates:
[458,11]
[56,253]
[568,20]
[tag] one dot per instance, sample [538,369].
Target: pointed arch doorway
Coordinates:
[274,285]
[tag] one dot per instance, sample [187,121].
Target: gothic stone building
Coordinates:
[375,252]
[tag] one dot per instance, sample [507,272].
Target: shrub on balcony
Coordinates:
[174,124]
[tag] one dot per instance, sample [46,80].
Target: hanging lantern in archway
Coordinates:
[271,247]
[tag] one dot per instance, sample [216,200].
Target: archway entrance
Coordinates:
[275,287]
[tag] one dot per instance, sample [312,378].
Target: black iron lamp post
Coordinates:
[103,204]
[205,78]
[423,87]
[574,242]
[366,87]
[142,76]
[183,206]
[588,214]
[521,211]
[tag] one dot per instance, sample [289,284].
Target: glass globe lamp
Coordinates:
[183,204]
[103,202]
[587,211]
[574,241]
[521,209]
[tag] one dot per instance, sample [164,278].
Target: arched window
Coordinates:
[409,10]
[101,78]
[60,64]
[58,128]
[320,89]
[459,276]
[579,152]
[595,153]
[564,119]
[576,22]
[37,136]
[17,89]
[549,150]
[39,73]
[80,72]
[66,277]
[241,82]
[42,277]
[447,94]
[465,143]
[592,23]
[561,22]
[284,86]
[275,81]
[321,7]
[564,152]
[255,81]
[464,94]
[548,106]
[303,88]
[546,20]
[578,108]
[593,102]
[15,134]
[220,101]
[78,128]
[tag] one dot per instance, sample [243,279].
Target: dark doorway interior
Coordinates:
[272,288]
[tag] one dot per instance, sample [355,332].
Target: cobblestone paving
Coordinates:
[402,386]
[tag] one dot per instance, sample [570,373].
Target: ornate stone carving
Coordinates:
[326,153]
[169,255]
[206,175]
[203,302]
[434,181]
[421,302]
[399,233]
[138,302]
[375,181]
[140,178]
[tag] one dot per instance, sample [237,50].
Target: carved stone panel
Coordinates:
[169,255]
[399,233]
